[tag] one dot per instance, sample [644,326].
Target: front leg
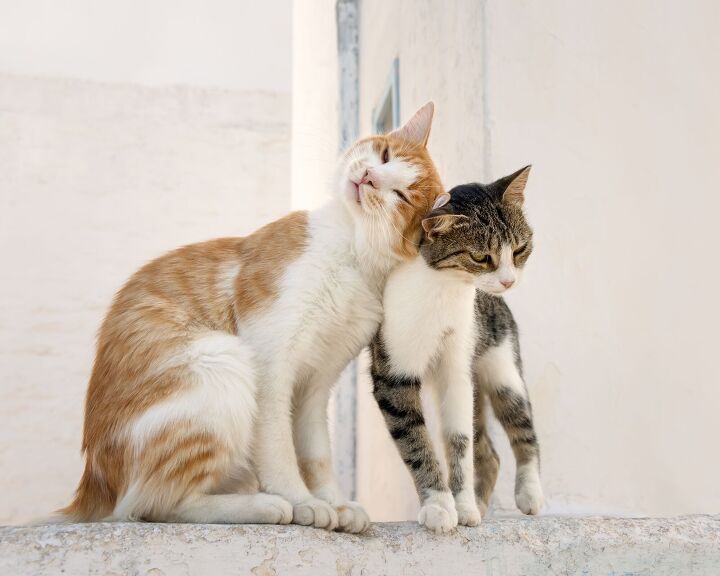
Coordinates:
[312,446]
[453,386]
[398,398]
[275,459]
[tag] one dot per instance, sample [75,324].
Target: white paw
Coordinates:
[317,513]
[529,498]
[468,514]
[277,510]
[352,518]
[438,513]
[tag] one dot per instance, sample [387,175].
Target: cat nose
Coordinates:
[507,283]
[369,178]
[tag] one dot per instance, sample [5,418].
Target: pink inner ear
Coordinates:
[417,129]
[441,200]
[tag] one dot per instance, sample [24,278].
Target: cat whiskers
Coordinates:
[389,219]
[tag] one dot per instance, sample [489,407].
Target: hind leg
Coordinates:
[487,463]
[182,477]
[182,452]
[507,392]
[233,509]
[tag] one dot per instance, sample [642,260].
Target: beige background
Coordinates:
[105,162]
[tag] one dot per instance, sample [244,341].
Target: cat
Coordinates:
[446,326]
[208,396]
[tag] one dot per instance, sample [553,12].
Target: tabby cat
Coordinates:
[208,398]
[446,326]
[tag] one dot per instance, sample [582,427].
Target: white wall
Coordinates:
[615,104]
[235,44]
[96,178]
[315,121]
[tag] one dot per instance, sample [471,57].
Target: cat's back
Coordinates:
[208,284]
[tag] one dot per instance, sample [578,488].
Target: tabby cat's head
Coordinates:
[481,231]
[389,183]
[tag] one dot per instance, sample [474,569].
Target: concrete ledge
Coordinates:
[545,545]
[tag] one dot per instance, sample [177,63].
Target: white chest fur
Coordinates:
[424,308]
[329,307]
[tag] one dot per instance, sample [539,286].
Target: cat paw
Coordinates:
[352,518]
[438,513]
[529,498]
[276,510]
[468,514]
[317,513]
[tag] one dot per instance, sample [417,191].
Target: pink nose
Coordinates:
[369,178]
[507,283]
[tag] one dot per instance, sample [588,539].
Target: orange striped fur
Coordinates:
[160,309]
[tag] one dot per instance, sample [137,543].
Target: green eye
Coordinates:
[483,259]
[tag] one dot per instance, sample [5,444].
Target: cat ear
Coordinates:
[417,129]
[435,225]
[441,200]
[515,186]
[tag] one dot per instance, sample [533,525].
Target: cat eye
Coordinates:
[485,259]
[386,155]
[402,197]
[520,250]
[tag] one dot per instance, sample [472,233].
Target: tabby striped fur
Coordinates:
[445,326]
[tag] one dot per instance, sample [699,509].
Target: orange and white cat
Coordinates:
[208,396]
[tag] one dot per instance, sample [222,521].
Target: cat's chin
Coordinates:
[354,192]
[351,197]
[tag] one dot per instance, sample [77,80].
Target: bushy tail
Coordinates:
[94,500]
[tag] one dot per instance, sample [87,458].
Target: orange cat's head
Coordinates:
[389,183]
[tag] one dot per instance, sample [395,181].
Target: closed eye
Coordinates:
[386,156]
[402,197]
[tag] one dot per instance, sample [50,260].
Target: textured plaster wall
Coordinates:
[616,105]
[315,102]
[236,44]
[96,179]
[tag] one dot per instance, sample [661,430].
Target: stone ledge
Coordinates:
[526,546]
